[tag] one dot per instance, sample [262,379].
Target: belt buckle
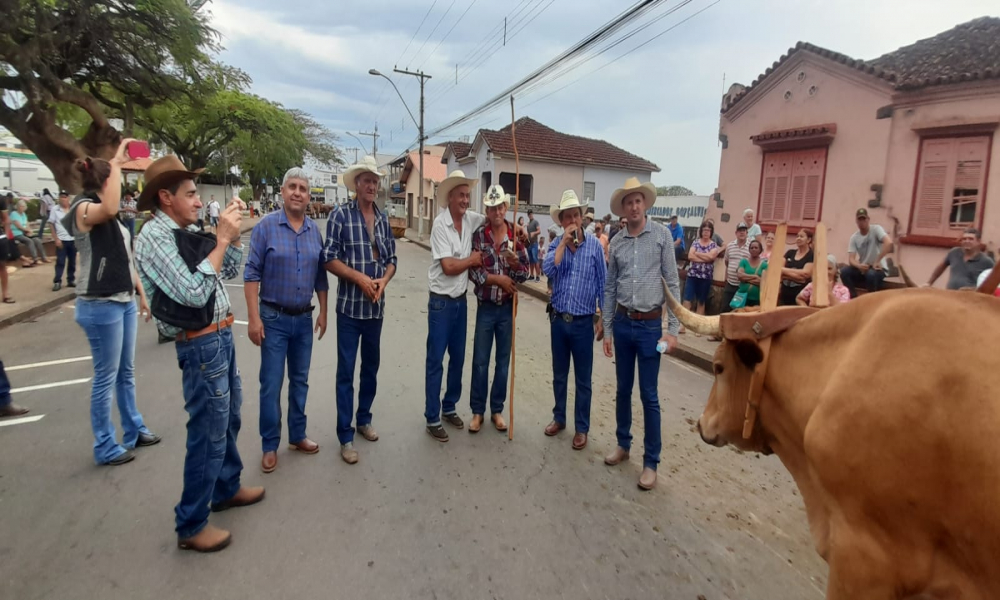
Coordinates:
[566,317]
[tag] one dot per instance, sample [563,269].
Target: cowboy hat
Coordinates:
[161,174]
[452,181]
[569,200]
[648,191]
[495,196]
[367,165]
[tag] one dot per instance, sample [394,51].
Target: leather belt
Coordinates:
[570,318]
[187,336]
[446,297]
[292,312]
[636,315]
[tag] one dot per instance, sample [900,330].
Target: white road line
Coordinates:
[233,285]
[49,363]
[240,322]
[21,420]
[45,386]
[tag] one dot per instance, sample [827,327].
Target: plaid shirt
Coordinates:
[287,263]
[634,274]
[493,264]
[161,267]
[347,241]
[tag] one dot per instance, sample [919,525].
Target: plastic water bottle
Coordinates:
[661,346]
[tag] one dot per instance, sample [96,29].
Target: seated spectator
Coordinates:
[967,262]
[866,253]
[838,291]
[23,233]
[798,268]
[754,231]
[982,279]
[750,271]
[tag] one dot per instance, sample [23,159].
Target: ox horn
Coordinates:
[906,278]
[693,321]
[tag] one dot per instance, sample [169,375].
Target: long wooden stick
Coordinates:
[513,333]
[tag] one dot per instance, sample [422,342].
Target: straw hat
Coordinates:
[160,174]
[495,196]
[367,165]
[569,200]
[632,184]
[452,181]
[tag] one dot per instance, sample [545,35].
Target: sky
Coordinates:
[660,101]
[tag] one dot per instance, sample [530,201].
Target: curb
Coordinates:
[693,357]
[41,309]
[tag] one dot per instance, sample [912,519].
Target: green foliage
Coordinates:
[246,194]
[673,190]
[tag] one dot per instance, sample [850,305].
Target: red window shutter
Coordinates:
[933,195]
[792,186]
[774,189]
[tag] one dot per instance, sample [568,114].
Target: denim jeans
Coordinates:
[213,395]
[111,329]
[352,333]
[286,338]
[446,323]
[4,387]
[130,225]
[492,322]
[854,278]
[66,258]
[635,341]
[574,340]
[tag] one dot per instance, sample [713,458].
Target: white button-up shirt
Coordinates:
[447,243]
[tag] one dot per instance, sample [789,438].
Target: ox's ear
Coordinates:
[749,352]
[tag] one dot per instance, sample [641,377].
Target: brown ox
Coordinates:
[885,411]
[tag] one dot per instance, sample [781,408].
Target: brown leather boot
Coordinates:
[647,480]
[617,456]
[209,539]
[306,446]
[245,496]
[553,428]
[269,462]
[476,424]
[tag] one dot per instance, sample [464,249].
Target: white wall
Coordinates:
[606,181]
[26,176]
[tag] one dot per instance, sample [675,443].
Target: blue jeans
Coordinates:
[285,338]
[446,322]
[635,341]
[111,328]
[213,395]
[853,278]
[352,333]
[492,321]
[4,387]
[66,259]
[574,340]
[130,225]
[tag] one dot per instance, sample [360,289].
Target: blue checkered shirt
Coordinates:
[578,281]
[285,262]
[347,240]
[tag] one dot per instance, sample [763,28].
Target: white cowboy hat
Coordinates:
[495,196]
[648,191]
[452,181]
[569,200]
[367,165]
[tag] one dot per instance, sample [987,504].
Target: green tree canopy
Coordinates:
[673,190]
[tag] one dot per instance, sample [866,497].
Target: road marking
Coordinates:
[21,420]
[233,285]
[240,322]
[49,363]
[45,386]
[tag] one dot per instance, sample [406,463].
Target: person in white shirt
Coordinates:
[447,309]
[65,245]
[213,213]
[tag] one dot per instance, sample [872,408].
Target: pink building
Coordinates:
[908,135]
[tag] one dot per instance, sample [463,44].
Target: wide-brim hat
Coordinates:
[495,196]
[648,191]
[368,164]
[452,181]
[162,173]
[569,200]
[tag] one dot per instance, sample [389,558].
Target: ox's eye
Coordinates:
[717,367]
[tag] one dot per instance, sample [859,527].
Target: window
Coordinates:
[506,181]
[791,187]
[951,178]
[589,191]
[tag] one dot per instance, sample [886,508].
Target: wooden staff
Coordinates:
[513,333]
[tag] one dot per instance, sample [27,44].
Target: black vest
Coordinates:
[193,247]
[109,261]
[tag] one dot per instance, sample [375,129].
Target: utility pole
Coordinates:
[423,78]
[374,135]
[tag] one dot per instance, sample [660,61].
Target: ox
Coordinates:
[885,412]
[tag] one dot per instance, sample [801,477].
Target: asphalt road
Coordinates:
[478,517]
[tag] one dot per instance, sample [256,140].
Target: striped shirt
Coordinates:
[634,270]
[347,240]
[578,281]
[162,268]
[734,254]
[286,262]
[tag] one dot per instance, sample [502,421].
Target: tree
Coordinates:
[93,54]
[673,190]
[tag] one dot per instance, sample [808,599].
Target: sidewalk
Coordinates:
[32,292]
[694,350]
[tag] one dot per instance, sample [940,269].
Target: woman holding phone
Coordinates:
[107,287]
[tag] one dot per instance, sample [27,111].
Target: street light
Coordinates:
[420,133]
[357,138]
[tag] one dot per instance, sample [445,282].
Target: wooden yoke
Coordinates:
[821,278]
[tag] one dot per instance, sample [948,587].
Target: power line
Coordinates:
[445,36]
[438,24]
[382,106]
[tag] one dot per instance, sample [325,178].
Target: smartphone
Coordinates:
[137,150]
